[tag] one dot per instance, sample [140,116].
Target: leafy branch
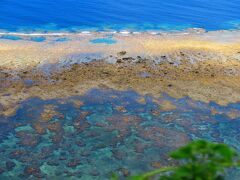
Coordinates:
[199,160]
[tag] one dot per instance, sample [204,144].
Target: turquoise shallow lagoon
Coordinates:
[105,131]
[103,41]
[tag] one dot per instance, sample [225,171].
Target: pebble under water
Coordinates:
[105,131]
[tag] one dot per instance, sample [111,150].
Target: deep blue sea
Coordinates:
[74,15]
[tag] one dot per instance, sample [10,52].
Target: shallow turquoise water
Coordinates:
[103,41]
[38,39]
[9,37]
[110,131]
[16,38]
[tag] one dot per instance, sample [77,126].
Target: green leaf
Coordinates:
[200,160]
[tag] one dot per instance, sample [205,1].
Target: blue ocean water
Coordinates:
[72,15]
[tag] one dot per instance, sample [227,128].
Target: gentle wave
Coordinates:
[124,32]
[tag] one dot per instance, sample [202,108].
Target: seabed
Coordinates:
[85,105]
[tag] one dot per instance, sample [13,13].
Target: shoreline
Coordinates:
[27,52]
[187,31]
[206,82]
[204,67]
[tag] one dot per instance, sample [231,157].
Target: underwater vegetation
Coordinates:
[105,131]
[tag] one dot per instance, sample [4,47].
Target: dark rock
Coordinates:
[17,153]
[119,61]
[182,54]
[54,127]
[128,59]
[10,165]
[35,171]
[163,57]
[94,172]
[86,153]
[53,162]
[57,138]
[28,139]
[58,173]
[125,172]
[47,150]
[62,158]
[122,53]
[1,170]
[73,163]
[80,143]
[118,154]
[81,126]
[140,147]
[26,159]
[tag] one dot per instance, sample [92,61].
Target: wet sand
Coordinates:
[202,66]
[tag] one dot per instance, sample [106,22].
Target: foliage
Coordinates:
[199,160]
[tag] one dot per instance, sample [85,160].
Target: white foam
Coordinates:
[136,32]
[85,32]
[153,33]
[124,32]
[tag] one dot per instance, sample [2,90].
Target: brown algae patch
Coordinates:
[167,106]
[48,113]
[203,81]
[234,114]
[191,65]
[77,103]
[141,100]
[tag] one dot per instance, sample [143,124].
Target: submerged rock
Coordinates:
[53,162]
[55,127]
[10,165]
[30,170]
[73,163]
[163,137]
[48,113]
[167,106]
[119,155]
[18,153]
[2,170]
[125,172]
[122,53]
[39,128]
[28,139]
[156,165]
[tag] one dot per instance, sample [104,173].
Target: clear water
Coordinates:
[38,39]
[108,131]
[103,41]
[72,15]
[9,37]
